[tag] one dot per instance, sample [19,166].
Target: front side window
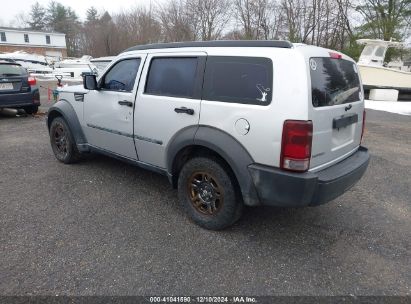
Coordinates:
[175,77]
[121,76]
[334,81]
[3,36]
[48,39]
[26,38]
[246,80]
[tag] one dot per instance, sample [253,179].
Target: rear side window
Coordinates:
[12,70]
[334,82]
[175,77]
[122,76]
[246,80]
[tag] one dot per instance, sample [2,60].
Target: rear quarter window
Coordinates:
[334,82]
[246,80]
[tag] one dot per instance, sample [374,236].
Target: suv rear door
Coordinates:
[168,101]
[336,109]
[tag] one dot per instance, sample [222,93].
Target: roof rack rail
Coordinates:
[214,43]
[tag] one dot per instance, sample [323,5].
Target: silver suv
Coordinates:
[231,123]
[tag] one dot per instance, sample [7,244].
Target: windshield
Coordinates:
[11,70]
[333,82]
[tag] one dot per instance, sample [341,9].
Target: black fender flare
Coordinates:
[65,109]
[225,145]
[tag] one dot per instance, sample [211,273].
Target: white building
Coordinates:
[44,43]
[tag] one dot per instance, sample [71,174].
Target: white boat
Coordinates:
[35,64]
[376,74]
[75,67]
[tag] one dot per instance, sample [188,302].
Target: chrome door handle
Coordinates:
[125,103]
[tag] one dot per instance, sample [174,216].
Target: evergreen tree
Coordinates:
[37,17]
[92,15]
[64,20]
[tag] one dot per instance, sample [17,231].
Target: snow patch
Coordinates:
[398,107]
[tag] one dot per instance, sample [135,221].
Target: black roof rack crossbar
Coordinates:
[215,43]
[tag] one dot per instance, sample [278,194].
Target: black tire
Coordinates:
[213,203]
[62,142]
[31,109]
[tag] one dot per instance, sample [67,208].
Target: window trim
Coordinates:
[28,39]
[100,81]
[3,37]
[199,75]
[249,59]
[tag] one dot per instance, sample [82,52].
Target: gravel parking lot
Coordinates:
[102,227]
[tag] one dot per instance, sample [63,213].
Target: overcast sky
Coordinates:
[9,9]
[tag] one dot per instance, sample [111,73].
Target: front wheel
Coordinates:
[207,191]
[62,142]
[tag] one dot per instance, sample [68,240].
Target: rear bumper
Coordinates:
[276,187]
[20,99]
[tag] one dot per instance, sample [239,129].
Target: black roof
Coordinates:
[215,43]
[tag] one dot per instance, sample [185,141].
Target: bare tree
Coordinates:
[210,16]
[177,22]
[137,26]
[20,20]
[250,15]
[272,23]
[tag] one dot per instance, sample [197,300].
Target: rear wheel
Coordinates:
[31,109]
[207,190]
[62,142]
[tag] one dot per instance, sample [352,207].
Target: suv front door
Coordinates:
[168,101]
[108,111]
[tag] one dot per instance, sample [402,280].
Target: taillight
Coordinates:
[296,145]
[334,55]
[363,125]
[32,81]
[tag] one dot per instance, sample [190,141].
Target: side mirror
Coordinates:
[90,82]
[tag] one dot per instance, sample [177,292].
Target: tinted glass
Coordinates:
[239,79]
[3,36]
[26,38]
[122,76]
[47,39]
[12,70]
[172,77]
[333,82]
